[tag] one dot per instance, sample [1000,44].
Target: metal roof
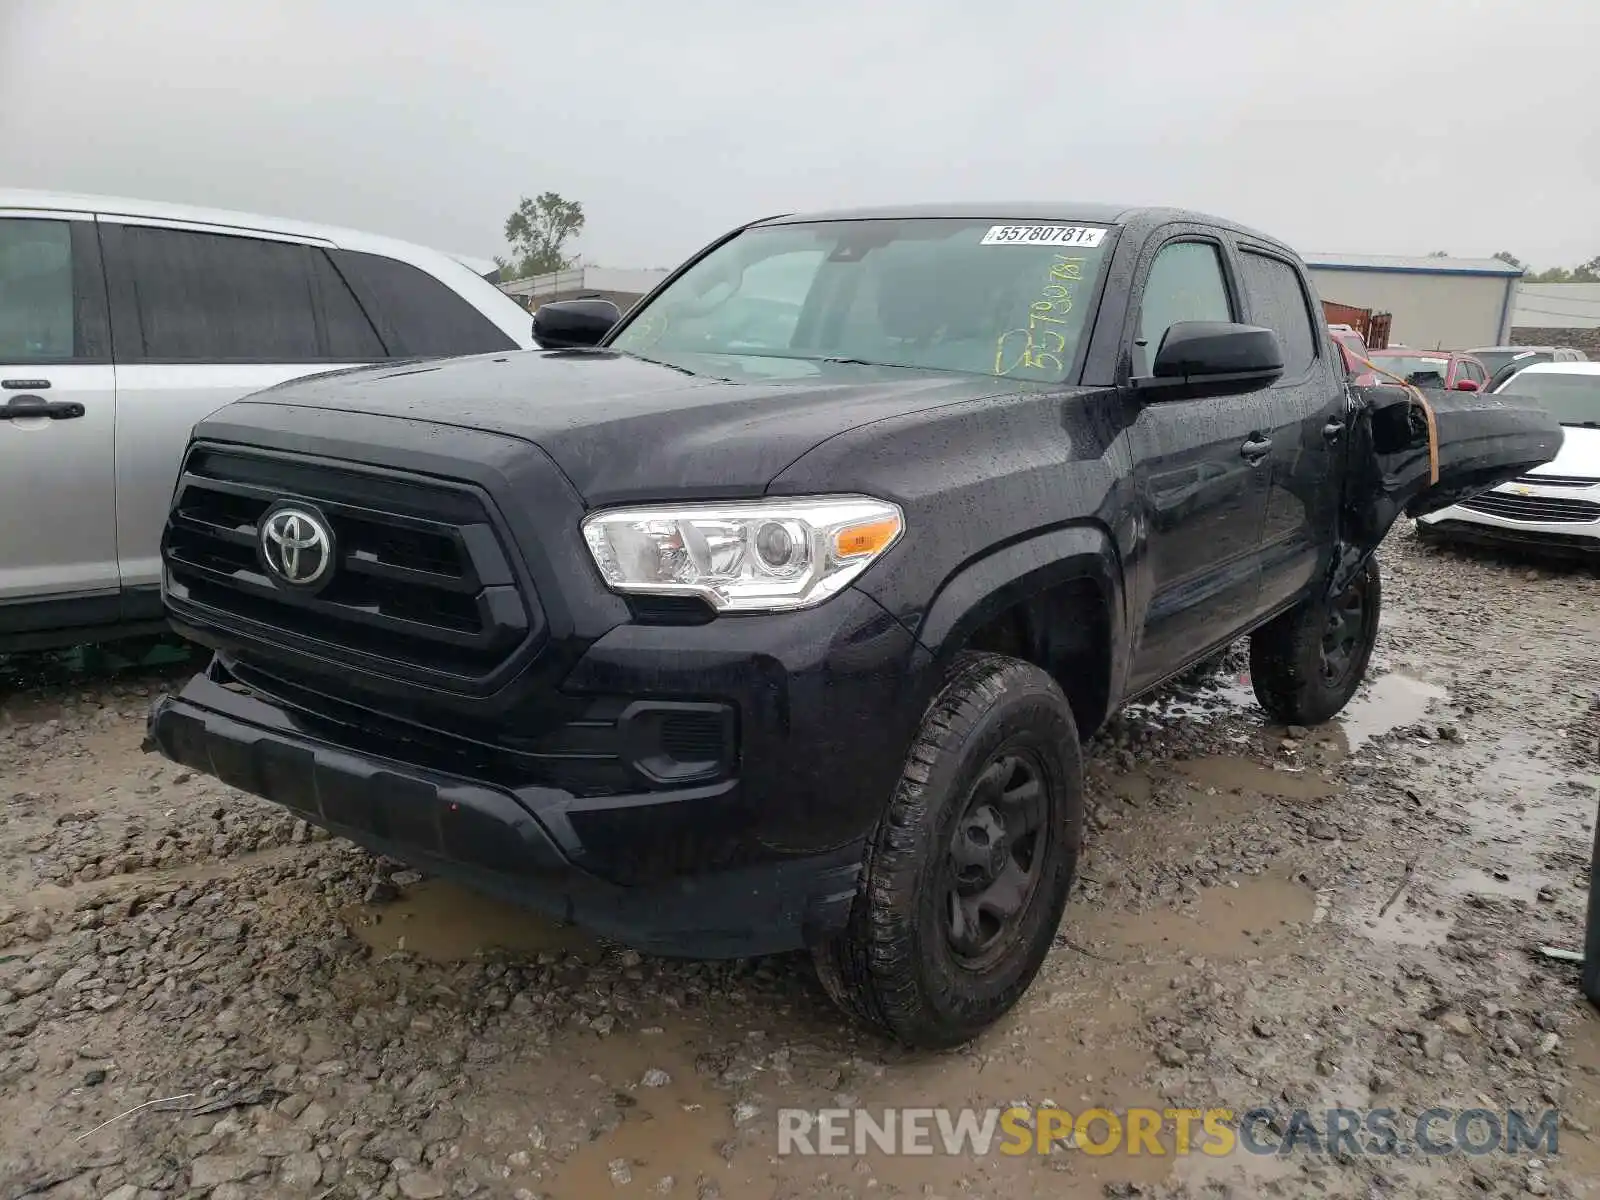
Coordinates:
[1405,264]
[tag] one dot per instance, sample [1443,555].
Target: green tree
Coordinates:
[1510,259]
[1584,272]
[539,230]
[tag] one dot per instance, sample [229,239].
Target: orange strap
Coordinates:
[1427,412]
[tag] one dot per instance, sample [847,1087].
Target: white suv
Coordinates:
[123,322]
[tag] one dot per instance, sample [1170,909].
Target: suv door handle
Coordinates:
[38,406]
[1332,430]
[1256,448]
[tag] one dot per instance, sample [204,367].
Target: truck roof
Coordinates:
[1027,210]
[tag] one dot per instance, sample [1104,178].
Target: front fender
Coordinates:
[981,590]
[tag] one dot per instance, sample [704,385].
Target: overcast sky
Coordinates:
[1398,126]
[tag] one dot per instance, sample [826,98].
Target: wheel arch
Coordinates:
[1054,598]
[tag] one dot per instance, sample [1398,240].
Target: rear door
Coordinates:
[1199,467]
[202,316]
[57,426]
[1307,421]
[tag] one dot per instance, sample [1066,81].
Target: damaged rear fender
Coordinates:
[1483,440]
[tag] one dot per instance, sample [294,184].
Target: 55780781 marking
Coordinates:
[1043,235]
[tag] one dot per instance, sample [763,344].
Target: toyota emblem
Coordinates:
[297,546]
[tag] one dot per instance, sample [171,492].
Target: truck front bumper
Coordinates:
[486,837]
[759,855]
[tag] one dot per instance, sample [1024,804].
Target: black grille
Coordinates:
[693,737]
[1560,481]
[1533,508]
[422,582]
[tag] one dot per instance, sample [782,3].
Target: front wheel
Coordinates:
[968,871]
[1307,663]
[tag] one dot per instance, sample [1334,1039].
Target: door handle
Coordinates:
[1256,448]
[38,406]
[1332,430]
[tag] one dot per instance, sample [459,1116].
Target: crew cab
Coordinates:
[724,636]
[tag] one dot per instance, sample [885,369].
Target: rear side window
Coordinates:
[1186,283]
[1278,300]
[52,298]
[210,297]
[416,315]
[349,333]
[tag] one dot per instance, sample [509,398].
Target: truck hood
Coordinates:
[625,429]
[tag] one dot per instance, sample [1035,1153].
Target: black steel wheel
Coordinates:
[968,871]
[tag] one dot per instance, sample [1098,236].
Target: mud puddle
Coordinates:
[1078,1041]
[1243,918]
[1385,703]
[446,923]
[1390,702]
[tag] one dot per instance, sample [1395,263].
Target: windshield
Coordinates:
[1418,369]
[1493,360]
[950,295]
[1572,399]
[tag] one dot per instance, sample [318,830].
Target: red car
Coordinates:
[1431,368]
[1352,349]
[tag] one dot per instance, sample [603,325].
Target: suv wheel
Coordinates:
[969,869]
[1307,663]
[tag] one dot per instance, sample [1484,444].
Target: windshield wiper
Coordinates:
[862,362]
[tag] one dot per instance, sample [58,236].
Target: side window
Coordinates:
[350,334]
[1278,301]
[416,315]
[1186,283]
[52,298]
[212,297]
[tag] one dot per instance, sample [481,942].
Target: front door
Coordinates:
[1201,475]
[58,530]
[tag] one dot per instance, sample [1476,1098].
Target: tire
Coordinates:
[964,833]
[1307,663]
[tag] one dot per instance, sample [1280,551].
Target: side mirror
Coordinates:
[1466,385]
[1213,358]
[564,324]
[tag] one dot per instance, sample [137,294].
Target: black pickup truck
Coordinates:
[771,615]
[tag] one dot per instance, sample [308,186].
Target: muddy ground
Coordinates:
[1346,916]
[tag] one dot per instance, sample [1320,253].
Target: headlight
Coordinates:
[744,556]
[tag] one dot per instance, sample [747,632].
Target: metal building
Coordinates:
[1558,314]
[1438,303]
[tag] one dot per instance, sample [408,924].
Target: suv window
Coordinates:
[350,335]
[214,297]
[417,316]
[36,293]
[1278,300]
[1185,283]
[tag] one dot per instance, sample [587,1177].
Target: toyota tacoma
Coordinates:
[772,614]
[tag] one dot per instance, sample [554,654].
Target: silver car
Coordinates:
[122,323]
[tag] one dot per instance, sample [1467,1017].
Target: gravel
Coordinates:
[202,996]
